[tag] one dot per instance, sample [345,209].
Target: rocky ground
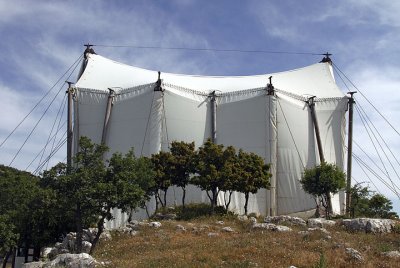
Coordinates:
[280,241]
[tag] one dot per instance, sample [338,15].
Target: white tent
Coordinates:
[234,110]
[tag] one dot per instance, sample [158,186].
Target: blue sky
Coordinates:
[41,39]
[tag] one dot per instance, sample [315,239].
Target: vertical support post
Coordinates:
[107,115]
[311,104]
[272,119]
[349,153]
[70,93]
[213,117]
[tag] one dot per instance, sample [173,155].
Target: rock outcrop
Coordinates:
[369,225]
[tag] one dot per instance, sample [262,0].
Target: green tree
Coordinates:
[253,175]
[8,237]
[162,163]
[92,188]
[182,166]
[380,207]
[359,200]
[31,210]
[125,186]
[321,181]
[230,173]
[211,159]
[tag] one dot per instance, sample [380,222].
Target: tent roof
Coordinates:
[316,80]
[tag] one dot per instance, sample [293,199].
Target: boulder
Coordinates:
[322,230]
[86,246]
[227,229]
[155,224]
[369,225]
[354,254]
[392,254]
[180,228]
[36,264]
[213,234]
[68,260]
[272,227]
[285,219]
[319,222]
[220,222]
[242,218]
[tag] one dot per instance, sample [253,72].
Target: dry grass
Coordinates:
[167,247]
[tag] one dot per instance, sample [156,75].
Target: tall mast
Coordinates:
[311,104]
[272,118]
[213,117]
[349,153]
[70,93]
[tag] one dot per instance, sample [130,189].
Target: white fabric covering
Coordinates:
[149,120]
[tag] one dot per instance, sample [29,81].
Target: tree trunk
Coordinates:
[246,196]
[14,255]
[329,204]
[100,229]
[79,228]
[229,200]
[36,253]
[165,198]
[5,260]
[183,197]
[213,201]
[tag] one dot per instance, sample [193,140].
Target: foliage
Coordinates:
[359,200]
[253,174]
[183,165]
[196,211]
[31,209]
[321,181]
[162,162]
[365,203]
[92,188]
[210,177]
[8,235]
[380,207]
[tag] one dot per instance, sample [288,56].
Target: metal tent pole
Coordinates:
[213,117]
[272,118]
[107,115]
[349,152]
[70,93]
[311,104]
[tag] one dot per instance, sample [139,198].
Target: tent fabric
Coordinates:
[276,127]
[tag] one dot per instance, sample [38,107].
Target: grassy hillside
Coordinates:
[205,244]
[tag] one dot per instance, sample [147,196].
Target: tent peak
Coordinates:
[89,49]
[326,58]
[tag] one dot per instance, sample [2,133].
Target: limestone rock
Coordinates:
[37,264]
[68,260]
[86,246]
[319,222]
[272,227]
[322,230]
[180,228]
[354,254]
[253,220]
[220,222]
[155,224]
[285,219]
[281,228]
[369,225]
[227,229]
[213,234]
[242,218]
[392,254]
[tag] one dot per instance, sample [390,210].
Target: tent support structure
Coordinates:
[349,152]
[213,117]
[311,104]
[70,93]
[272,116]
[107,115]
